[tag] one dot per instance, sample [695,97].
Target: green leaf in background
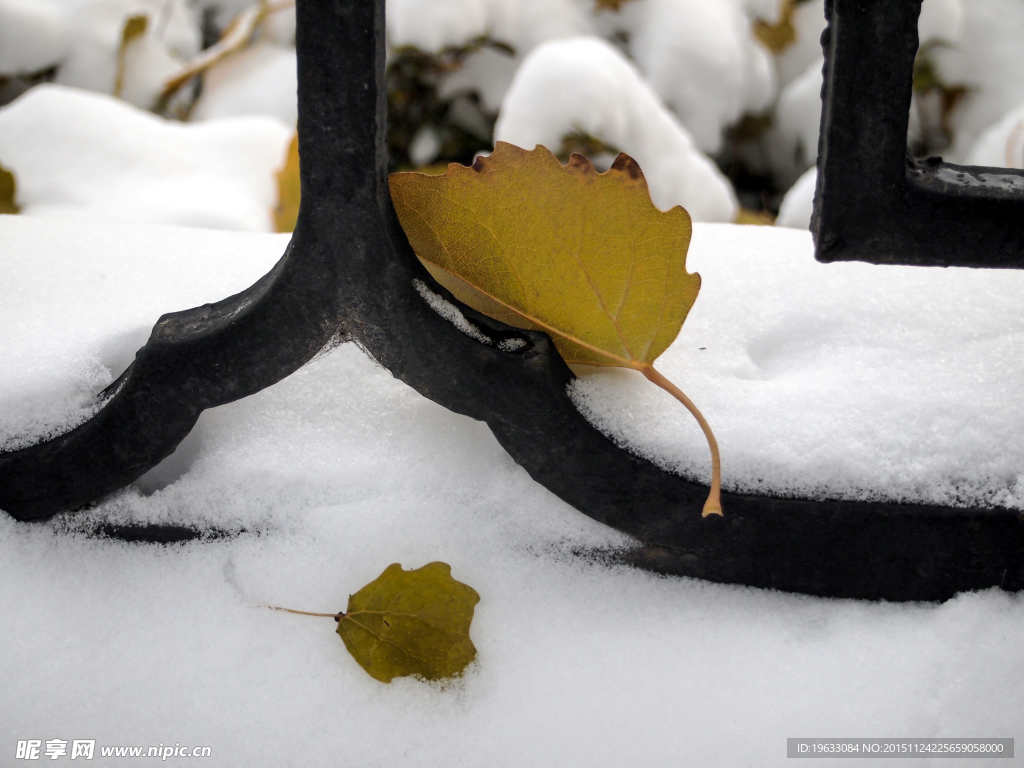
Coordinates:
[8,192]
[411,623]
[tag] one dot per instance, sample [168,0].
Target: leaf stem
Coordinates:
[335,616]
[713,505]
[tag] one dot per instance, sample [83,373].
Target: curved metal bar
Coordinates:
[872,202]
[349,266]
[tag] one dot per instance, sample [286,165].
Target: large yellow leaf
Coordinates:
[581,255]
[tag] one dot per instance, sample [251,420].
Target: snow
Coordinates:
[987,59]
[940,20]
[798,203]
[451,313]
[95,29]
[584,83]
[792,140]
[432,25]
[845,380]
[808,22]
[147,64]
[489,72]
[261,80]
[1002,145]
[32,36]
[340,470]
[704,62]
[86,155]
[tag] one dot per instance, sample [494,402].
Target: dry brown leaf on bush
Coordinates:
[584,256]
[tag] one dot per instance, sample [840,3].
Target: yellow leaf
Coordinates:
[411,623]
[286,213]
[584,256]
[8,192]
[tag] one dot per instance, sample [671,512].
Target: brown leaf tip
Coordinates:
[502,151]
[580,164]
[626,164]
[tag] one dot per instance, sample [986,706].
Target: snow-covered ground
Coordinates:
[340,470]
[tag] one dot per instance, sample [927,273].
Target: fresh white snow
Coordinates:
[80,154]
[1002,145]
[33,36]
[340,470]
[261,80]
[703,60]
[798,203]
[988,60]
[95,29]
[848,380]
[432,25]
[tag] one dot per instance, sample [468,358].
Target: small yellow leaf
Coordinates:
[8,192]
[411,623]
[289,190]
[582,255]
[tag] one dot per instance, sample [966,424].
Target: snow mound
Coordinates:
[584,83]
[808,22]
[340,470]
[842,380]
[988,59]
[95,29]
[86,155]
[432,25]
[33,36]
[262,80]
[1002,145]
[798,204]
[792,140]
[704,62]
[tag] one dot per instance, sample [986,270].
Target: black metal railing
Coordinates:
[349,273]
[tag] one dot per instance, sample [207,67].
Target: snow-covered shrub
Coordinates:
[732,83]
[77,154]
[1002,145]
[585,85]
[33,36]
